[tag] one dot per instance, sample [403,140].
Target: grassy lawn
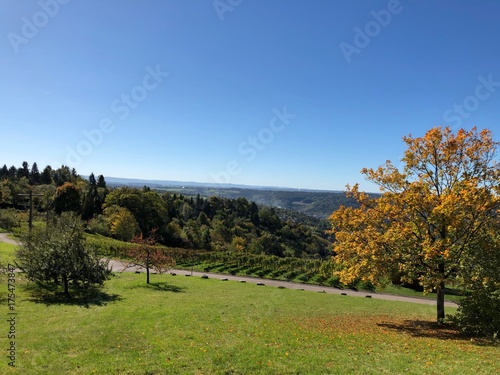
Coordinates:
[187,325]
[7,251]
[390,289]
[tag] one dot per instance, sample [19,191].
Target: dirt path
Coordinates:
[4,238]
[119,266]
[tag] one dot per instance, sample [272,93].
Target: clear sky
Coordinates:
[291,93]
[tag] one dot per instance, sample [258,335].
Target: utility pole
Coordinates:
[30,220]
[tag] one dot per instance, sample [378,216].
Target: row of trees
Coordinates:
[180,221]
[207,223]
[33,175]
[60,189]
[59,254]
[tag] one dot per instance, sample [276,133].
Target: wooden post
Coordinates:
[30,220]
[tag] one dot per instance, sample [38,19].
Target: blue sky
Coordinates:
[292,93]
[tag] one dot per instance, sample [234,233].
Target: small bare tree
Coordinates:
[149,256]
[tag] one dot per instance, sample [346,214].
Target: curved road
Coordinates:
[119,266]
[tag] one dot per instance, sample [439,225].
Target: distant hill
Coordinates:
[134,182]
[314,203]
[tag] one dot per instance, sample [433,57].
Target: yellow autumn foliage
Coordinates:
[435,220]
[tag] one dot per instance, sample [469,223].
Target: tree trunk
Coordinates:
[440,303]
[66,285]
[440,295]
[147,267]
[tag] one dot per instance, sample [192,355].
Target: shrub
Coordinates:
[478,313]
[99,225]
[8,219]
[334,281]
[303,277]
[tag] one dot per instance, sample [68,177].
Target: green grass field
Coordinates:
[188,325]
[7,251]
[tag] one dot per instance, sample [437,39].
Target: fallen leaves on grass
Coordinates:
[425,342]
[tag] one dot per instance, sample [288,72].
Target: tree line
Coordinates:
[207,223]
[191,222]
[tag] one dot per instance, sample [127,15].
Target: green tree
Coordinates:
[62,175]
[435,221]
[60,255]
[5,196]
[122,223]
[254,214]
[12,173]
[206,240]
[91,199]
[24,171]
[46,177]
[270,219]
[101,182]
[17,188]
[34,175]
[174,235]
[4,172]
[8,219]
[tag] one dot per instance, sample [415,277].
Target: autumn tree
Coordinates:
[149,256]
[122,223]
[67,198]
[435,221]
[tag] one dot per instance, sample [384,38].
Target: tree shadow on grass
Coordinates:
[162,286]
[430,329]
[52,295]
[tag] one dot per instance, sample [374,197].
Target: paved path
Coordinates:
[4,237]
[119,266]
